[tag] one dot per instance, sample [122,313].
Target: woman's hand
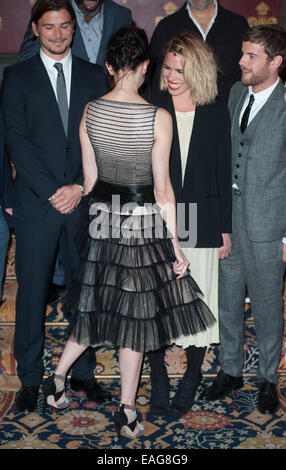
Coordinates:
[225,249]
[181,264]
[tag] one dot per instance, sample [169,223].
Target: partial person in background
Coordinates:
[200,170]
[6,204]
[222,29]
[96,21]
[258,113]
[6,186]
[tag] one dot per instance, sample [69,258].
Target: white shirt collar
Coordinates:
[49,62]
[264,94]
[203,33]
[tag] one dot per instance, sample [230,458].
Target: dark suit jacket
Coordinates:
[45,159]
[115,16]
[225,37]
[207,180]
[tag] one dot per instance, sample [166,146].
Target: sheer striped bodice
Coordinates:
[122,136]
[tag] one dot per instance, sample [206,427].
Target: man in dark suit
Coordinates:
[43,99]
[220,28]
[96,21]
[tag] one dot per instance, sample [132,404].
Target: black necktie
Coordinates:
[62,96]
[246,114]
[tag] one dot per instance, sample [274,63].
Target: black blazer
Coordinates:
[115,16]
[225,37]
[45,159]
[207,180]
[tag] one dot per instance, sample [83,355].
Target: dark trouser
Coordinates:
[36,247]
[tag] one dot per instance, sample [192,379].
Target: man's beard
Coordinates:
[199,6]
[89,12]
[256,78]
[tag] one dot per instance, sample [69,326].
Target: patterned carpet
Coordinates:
[232,423]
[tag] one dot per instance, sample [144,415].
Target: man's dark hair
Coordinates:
[272,37]
[42,6]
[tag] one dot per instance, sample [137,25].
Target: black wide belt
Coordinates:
[138,194]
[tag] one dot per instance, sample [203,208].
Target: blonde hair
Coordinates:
[199,66]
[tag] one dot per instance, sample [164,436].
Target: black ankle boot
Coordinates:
[185,395]
[159,400]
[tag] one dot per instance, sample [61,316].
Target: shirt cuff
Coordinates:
[284,240]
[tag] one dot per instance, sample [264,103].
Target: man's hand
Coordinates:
[284,252]
[66,198]
[9,211]
[225,249]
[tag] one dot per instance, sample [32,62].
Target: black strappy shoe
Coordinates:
[53,394]
[133,427]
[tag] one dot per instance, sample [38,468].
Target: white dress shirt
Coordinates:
[53,73]
[203,33]
[260,99]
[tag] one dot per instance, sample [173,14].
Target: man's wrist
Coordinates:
[80,187]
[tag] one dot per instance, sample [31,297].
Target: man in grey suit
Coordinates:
[258,111]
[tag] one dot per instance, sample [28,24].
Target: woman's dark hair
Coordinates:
[42,6]
[127,49]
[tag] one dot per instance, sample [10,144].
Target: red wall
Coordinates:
[14,15]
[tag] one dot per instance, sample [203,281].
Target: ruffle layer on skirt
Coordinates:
[125,292]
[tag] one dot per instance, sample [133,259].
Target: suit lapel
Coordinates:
[262,117]
[108,20]
[199,134]
[237,111]
[175,157]
[75,97]
[42,83]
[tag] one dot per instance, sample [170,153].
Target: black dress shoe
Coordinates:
[268,401]
[185,395]
[92,389]
[56,293]
[221,386]
[27,399]
[159,401]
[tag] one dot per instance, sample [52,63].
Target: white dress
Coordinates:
[203,261]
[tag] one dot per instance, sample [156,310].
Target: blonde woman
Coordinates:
[200,170]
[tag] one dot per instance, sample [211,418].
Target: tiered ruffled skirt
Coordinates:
[125,292]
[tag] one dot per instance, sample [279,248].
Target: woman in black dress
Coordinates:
[132,288]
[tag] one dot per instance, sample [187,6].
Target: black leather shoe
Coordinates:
[92,389]
[159,401]
[56,293]
[268,402]
[27,399]
[221,386]
[283,392]
[185,395]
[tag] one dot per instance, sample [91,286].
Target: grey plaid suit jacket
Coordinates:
[260,154]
